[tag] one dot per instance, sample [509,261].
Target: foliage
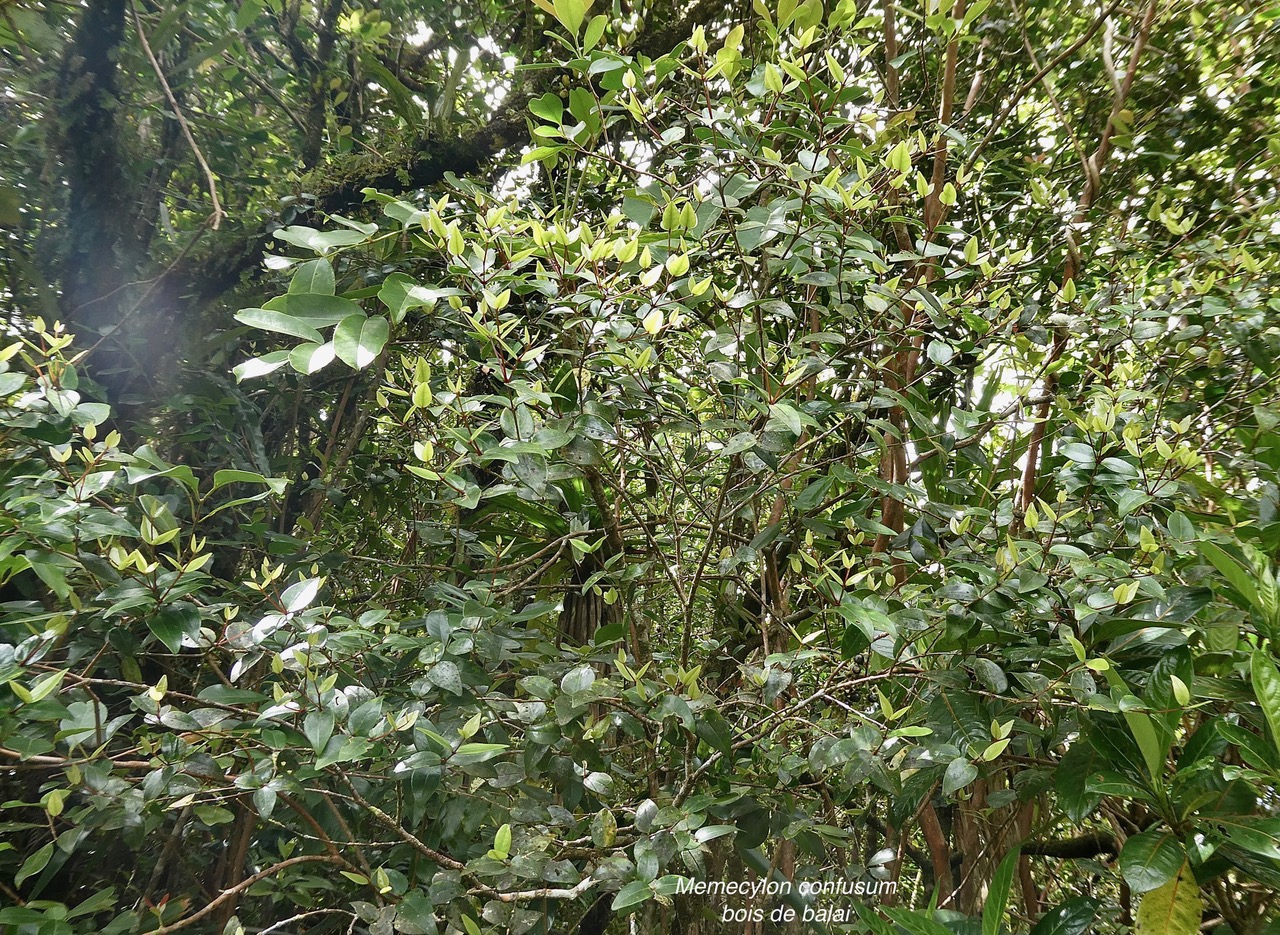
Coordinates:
[777,475]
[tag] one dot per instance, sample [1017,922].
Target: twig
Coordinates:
[240,888]
[275,926]
[218,213]
[1034,80]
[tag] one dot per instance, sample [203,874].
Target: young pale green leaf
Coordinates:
[595,30]
[502,842]
[571,13]
[1173,909]
[41,688]
[772,78]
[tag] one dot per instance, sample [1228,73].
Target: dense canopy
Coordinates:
[661,468]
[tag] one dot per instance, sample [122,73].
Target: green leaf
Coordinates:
[270,320]
[549,107]
[10,383]
[261,366]
[1173,909]
[998,893]
[570,13]
[714,730]
[359,340]
[595,29]
[578,679]
[40,689]
[224,477]
[1074,917]
[633,894]
[916,921]
[973,12]
[960,772]
[1141,727]
[604,828]
[317,726]
[1261,836]
[399,293]
[314,276]
[446,675]
[310,357]
[98,902]
[299,596]
[174,622]
[1266,688]
[34,864]
[1236,574]
[317,310]
[1180,527]
[1151,859]
[416,915]
[502,842]
[1077,452]
[477,753]
[320,241]
[788,416]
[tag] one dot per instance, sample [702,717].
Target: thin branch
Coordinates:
[1035,79]
[241,887]
[218,213]
[276,926]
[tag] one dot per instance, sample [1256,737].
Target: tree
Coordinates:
[813,447]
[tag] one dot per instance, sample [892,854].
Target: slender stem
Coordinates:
[218,213]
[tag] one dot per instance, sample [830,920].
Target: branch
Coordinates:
[218,213]
[1081,848]
[240,888]
[1035,79]
[339,186]
[425,161]
[543,893]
